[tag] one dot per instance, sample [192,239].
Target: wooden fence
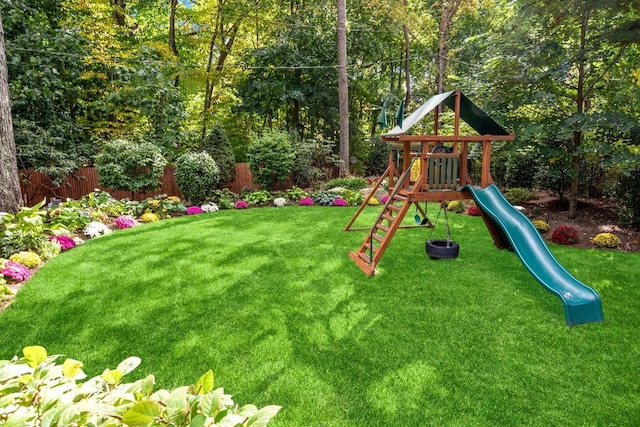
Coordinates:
[36,186]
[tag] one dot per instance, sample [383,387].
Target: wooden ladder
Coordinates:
[381,233]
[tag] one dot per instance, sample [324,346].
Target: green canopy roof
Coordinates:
[469,113]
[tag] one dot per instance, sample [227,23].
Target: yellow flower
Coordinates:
[149,217]
[373,202]
[606,240]
[27,258]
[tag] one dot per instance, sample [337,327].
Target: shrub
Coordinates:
[48,248]
[340,202]
[149,217]
[36,390]
[241,204]
[124,221]
[373,202]
[258,197]
[456,206]
[306,201]
[295,194]
[352,197]
[68,218]
[15,271]
[350,183]
[161,205]
[280,202]
[209,207]
[27,258]
[129,166]
[314,161]
[219,148]
[541,226]
[519,195]
[197,175]
[565,235]
[324,198]
[270,157]
[473,210]
[628,197]
[606,240]
[22,231]
[384,199]
[194,210]
[378,159]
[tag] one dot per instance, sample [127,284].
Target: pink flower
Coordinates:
[15,271]
[340,202]
[241,204]
[384,199]
[65,242]
[306,201]
[194,210]
[124,221]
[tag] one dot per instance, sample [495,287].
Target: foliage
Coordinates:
[473,210]
[541,226]
[162,205]
[258,197]
[606,240]
[324,197]
[37,387]
[149,217]
[628,196]
[23,230]
[27,258]
[378,160]
[350,183]
[224,198]
[270,157]
[69,218]
[197,175]
[219,148]
[565,235]
[519,195]
[314,161]
[295,194]
[456,206]
[129,166]
[352,197]
[521,169]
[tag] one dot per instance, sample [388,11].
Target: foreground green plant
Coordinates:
[37,391]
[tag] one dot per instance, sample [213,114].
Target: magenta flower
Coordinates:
[340,202]
[15,271]
[194,210]
[384,199]
[65,242]
[124,221]
[241,204]
[306,201]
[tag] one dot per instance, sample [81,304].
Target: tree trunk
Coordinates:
[343,87]
[10,195]
[577,135]
[449,9]
[172,36]
[118,11]
[407,63]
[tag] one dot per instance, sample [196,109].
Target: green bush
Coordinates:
[314,161]
[197,175]
[219,148]
[324,198]
[628,197]
[456,206]
[129,166]
[36,390]
[378,160]
[258,197]
[295,194]
[23,231]
[521,167]
[519,195]
[350,183]
[270,157]
[353,197]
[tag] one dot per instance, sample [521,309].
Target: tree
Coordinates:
[343,87]
[10,195]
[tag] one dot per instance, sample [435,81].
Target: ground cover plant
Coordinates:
[269,300]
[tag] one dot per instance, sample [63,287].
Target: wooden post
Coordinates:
[485,177]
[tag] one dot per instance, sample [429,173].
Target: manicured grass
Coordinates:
[269,300]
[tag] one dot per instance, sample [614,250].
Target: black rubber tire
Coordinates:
[442,249]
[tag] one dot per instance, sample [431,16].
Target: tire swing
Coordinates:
[442,248]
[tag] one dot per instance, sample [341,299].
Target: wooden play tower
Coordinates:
[429,168]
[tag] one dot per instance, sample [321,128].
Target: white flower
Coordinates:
[279,201]
[209,207]
[95,229]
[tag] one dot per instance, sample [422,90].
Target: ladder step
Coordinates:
[388,217]
[383,227]
[368,246]
[377,237]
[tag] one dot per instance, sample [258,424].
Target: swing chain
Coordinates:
[446,223]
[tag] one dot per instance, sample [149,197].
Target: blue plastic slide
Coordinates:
[581,303]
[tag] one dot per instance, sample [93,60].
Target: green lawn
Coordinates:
[269,299]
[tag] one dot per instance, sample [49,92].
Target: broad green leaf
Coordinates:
[112,376]
[198,421]
[128,365]
[211,403]
[205,383]
[35,355]
[72,368]
[142,413]
[263,416]
[17,420]
[13,371]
